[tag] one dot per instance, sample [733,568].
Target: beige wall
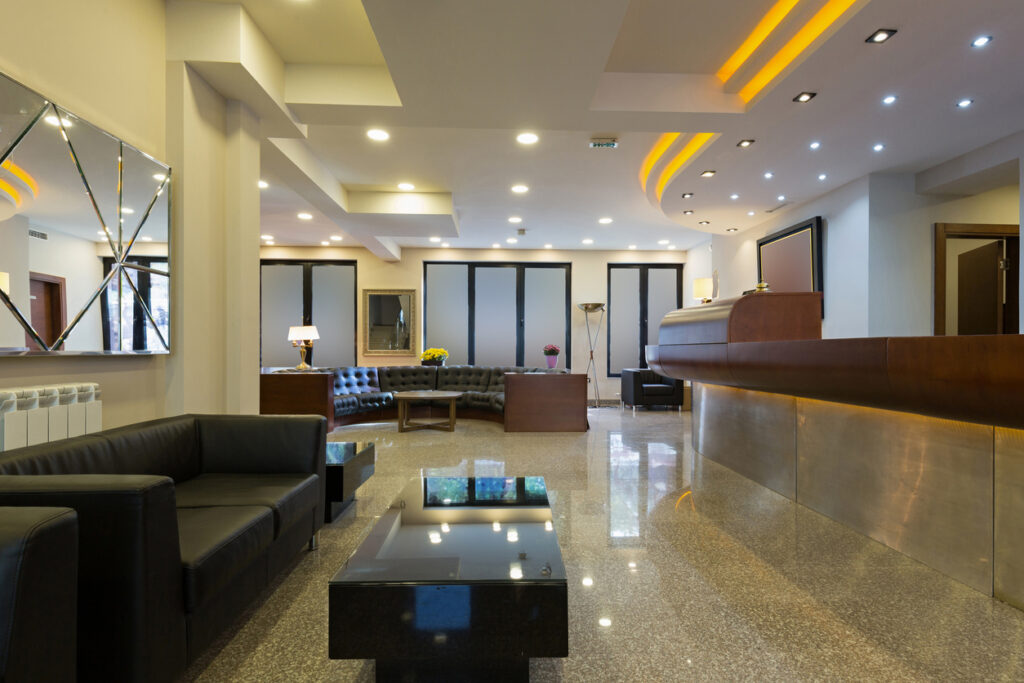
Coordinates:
[104,60]
[589,283]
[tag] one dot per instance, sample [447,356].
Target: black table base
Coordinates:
[452,671]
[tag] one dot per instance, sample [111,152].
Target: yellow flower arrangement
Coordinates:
[434,354]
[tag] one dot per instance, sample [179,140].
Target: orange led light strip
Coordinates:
[768,23]
[23,175]
[9,190]
[659,148]
[689,150]
[817,25]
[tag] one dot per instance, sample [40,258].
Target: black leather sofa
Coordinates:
[642,387]
[38,589]
[183,521]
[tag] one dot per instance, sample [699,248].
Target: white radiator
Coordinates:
[34,415]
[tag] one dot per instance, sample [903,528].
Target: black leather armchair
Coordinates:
[38,593]
[642,387]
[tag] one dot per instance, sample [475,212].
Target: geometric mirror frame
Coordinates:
[84,235]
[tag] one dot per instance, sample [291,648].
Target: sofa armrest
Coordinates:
[265,444]
[131,625]
[632,385]
[38,593]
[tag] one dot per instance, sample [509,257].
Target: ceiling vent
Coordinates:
[776,208]
[38,235]
[604,142]
[521,231]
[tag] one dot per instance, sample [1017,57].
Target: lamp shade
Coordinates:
[303,333]
[703,287]
[5,283]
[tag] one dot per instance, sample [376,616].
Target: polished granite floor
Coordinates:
[703,574]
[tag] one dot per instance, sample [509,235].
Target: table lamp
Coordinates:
[302,336]
[703,287]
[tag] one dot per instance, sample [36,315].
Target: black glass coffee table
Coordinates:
[460,580]
[349,465]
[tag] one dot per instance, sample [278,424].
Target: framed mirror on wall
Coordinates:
[84,235]
[389,322]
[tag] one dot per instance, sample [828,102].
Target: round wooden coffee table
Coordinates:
[402,398]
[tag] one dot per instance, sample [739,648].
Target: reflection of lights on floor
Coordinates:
[548,526]
[496,526]
[587,581]
[605,621]
[515,570]
[435,537]
[512,536]
[632,565]
[447,501]
[445,527]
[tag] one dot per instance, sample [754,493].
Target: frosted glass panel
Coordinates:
[495,330]
[661,298]
[544,313]
[623,318]
[280,308]
[334,290]
[447,314]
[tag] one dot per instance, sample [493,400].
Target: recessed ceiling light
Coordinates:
[734,196]
[548,246]
[744,143]
[325,244]
[889,100]
[781,197]
[707,174]
[662,242]
[520,189]
[671,246]
[604,621]
[768,175]
[263,184]
[822,176]
[604,221]
[266,237]
[881,35]
[269,243]
[814,145]
[406,187]
[688,212]
[527,138]
[687,195]
[805,97]
[587,240]
[101,232]
[750,213]
[632,246]
[159,176]
[445,245]
[378,134]
[54,121]
[731,229]
[305,216]
[336,238]
[127,210]
[703,222]
[435,239]
[964,103]
[878,147]
[515,219]
[511,240]
[146,239]
[981,41]
[495,246]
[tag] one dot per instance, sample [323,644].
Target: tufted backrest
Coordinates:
[355,380]
[497,383]
[463,378]
[408,378]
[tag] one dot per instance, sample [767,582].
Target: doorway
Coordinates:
[48,307]
[976,279]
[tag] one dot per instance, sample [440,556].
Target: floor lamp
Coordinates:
[592,341]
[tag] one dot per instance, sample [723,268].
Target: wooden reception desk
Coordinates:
[913,441]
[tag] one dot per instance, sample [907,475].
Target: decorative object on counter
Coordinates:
[434,357]
[551,352]
[592,341]
[302,337]
[762,287]
[703,287]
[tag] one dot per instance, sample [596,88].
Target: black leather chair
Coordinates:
[38,593]
[642,387]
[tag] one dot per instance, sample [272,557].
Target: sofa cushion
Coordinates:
[497,382]
[378,399]
[463,378]
[289,496]
[217,544]
[355,380]
[408,378]
[498,401]
[475,399]
[657,390]
[346,405]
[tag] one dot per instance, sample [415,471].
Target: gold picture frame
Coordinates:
[389,322]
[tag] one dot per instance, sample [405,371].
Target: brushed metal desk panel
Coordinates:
[750,432]
[1009,516]
[918,484]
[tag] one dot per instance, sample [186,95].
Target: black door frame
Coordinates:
[644,269]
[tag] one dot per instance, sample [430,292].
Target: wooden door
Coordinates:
[48,310]
[980,284]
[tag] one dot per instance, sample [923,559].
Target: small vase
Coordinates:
[552,361]
[432,362]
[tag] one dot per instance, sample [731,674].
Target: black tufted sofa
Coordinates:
[182,522]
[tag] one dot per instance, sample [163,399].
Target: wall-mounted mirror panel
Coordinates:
[389,321]
[84,230]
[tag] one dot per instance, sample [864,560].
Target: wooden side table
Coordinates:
[402,399]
